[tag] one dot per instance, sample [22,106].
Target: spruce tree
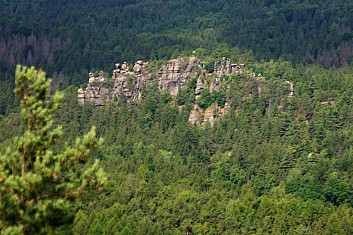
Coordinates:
[39,179]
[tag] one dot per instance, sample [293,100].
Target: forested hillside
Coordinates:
[71,38]
[276,159]
[274,164]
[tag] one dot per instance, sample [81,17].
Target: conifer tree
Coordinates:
[38,179]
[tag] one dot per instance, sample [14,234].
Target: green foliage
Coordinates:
[8,101]
[206,99]
[267,29]
[186,95]
[38,182]
[271,164]
[220,97]
[183,96]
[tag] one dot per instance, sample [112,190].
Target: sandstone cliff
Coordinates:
[128,83]
[170,77]
[94,92]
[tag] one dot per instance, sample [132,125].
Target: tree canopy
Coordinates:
[39,181]
[70,39]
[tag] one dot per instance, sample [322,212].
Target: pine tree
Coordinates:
[38,179]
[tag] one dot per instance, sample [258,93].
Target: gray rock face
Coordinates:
[176,74]
[129,83]
[225,67]
[209,115]
[194,117]
[200,85]
[94,91]
[81,96]
[170,77]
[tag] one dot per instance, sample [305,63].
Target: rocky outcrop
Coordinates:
[200,85]
[176,74]
[128,82]
[81,96]
[209,115]
[194,117]
[225,67]
[95,92]
[169,77]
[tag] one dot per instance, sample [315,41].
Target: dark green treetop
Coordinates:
[38,182]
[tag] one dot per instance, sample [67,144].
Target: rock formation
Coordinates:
[209,114]
[129,83]
[200,85]
[81,96]
[194,117]
[176,74]
[94,92]
[225,67]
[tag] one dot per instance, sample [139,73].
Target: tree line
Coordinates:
[70,39]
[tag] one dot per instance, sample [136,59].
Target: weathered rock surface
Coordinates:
[176,74]
[200,85]
[194,117]
[209,115]
[225,67]
[81,96]
[128,82]
[94,91]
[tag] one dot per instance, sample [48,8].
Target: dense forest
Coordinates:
[273,164]
[71,38]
